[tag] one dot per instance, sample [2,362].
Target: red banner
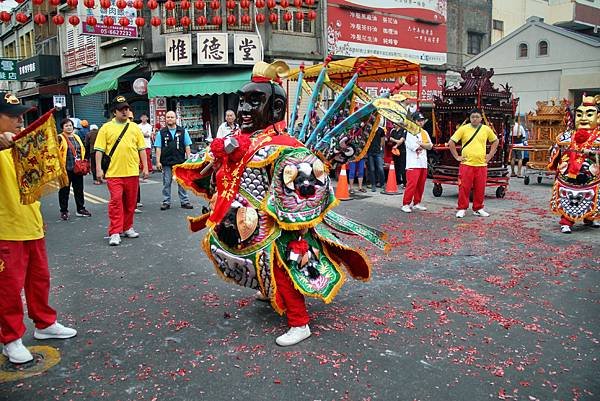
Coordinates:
[431,85]
[425,10]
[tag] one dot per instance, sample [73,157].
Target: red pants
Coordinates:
[149,158]
[23,265]
[415,185]
[123,200]
[470,177]
[290,298]
[565,221]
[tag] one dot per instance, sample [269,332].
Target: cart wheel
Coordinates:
[437,190]
[539,179]
[500,192]
[526,180]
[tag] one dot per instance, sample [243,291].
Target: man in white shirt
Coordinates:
[147,130]
[517,136]
[229,127]
[416,165]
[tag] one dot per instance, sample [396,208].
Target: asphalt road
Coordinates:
[473,309]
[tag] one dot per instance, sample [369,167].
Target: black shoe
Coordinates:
[83,213]
[187,206]
[64,216]
[165,206]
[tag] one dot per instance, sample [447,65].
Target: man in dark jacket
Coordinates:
[172,147]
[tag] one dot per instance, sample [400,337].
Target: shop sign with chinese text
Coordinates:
[178,50]
[8,69]
[213,48]
[431,85]
[410,29]
[247,49]
[114,30]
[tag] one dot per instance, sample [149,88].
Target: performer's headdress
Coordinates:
[588,100]
[274,72]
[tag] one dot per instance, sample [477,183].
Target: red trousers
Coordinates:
[565,221]
[290,298]
[149,158]
[23,265]
[415,186]
[470,177]
[123,200]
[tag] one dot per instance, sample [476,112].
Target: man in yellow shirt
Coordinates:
[23,258]
[472,172]
[122,175]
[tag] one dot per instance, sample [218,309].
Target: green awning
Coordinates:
[196,83]
[106,80]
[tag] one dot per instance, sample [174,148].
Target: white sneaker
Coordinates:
[17,352]
[131,233]
[406,208]
[137,211]
[461,213]
[481,213]
[419,207]
[115,239]
[293,336]
[260,297]
[565,229]
[55,330]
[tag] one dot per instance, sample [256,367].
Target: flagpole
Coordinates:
[34,125]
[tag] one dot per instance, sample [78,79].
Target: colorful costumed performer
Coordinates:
[268,195]
[575,157]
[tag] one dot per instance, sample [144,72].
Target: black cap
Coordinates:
[11,105]
[417,115]
[119,102]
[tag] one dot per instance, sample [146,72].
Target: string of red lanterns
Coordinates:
[170,6]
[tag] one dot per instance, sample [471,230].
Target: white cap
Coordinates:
[93,126]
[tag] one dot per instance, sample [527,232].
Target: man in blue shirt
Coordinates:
[172,147]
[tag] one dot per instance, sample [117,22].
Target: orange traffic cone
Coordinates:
[341,191]
[391,188]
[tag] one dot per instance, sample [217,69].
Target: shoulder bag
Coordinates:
[82,167]
[106,158]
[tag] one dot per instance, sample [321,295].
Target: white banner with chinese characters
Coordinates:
[178,50]
[247,49]
[213,48]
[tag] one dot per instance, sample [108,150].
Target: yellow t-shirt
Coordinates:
[17,222]
[474,154]
[125,161]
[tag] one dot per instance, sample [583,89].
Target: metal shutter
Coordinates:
[90,108]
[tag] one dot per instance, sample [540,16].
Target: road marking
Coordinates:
[86,195]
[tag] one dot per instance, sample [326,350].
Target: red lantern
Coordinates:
[21,18]
[201,20]
[185,5]
[91,20]
[169,5]
[89,3]
[74,20]
[299,15]
[152,4]
[230,4]
[58,19]
[231,20]
[245,19]
[273,18]
[20,1]
[309,2]
[105,4]
[5,16]
[138,4]
[199,5]
[259,3]
[411,79]
[108,21]
[124,21]
[297,3]
[288,16]
[140,22]
[260,18]
[217,20]
[55,3]
[215,4]
[155,21]
[245,4]
[72,3]
[284,3]
[37,2]
[171,21]
[39,19]
[312,15]
[121,4]
[271,3]
[185,21]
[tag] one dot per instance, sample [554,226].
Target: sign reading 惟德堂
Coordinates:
[8,70]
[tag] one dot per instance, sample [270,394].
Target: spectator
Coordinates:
[71,148]
[472,172]
[91,152]
[172,147]
[356,169]
[24,259]
[416,166]
[398,138]
[83,130]
[518,137]
[229,126]
[122,175]
[375,158]
[148,131]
